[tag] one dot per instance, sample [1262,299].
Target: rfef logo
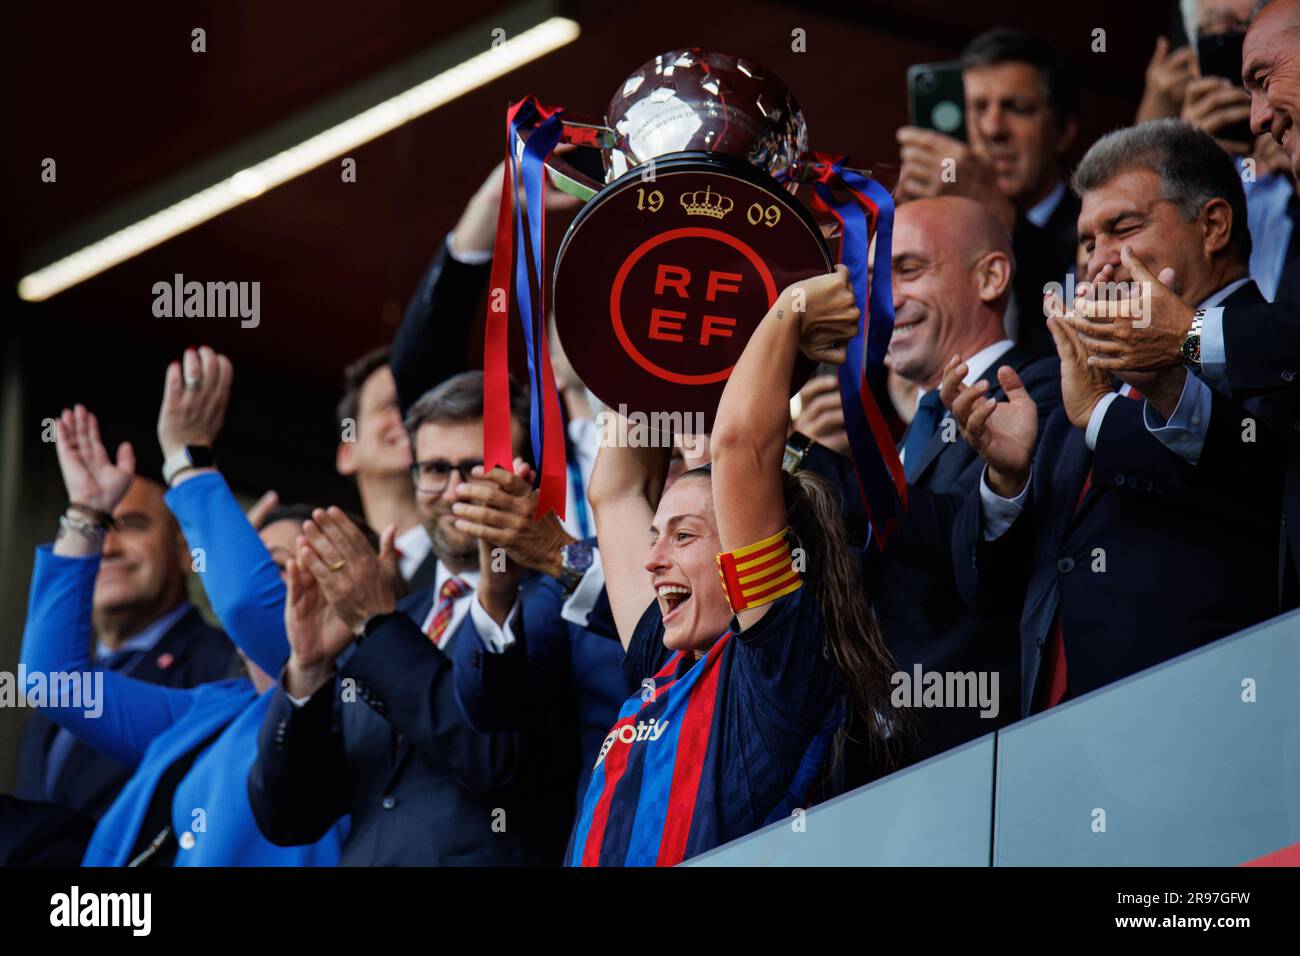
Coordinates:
[675,301]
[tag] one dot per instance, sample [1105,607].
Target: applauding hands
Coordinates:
[357,582]
[196,391]
[316,636]
[92,479]
[1002,433]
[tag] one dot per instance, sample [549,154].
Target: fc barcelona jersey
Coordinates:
[711,749]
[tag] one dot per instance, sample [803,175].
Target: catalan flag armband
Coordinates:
[759,573]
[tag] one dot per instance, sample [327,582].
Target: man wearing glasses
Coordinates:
[370,727]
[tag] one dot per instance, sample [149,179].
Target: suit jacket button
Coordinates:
[388,802]
[1065,565]
[478,659]
[1040,643]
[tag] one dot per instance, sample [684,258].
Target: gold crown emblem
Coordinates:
[706,203]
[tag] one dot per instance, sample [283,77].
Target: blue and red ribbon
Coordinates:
[546,427]
[870,212]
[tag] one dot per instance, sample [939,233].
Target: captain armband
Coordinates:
[759,573]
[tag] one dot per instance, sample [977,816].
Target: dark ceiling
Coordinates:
[114,94]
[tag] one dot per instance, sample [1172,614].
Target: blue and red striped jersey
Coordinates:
[712,748]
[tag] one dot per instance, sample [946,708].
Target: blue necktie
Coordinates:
[929,410]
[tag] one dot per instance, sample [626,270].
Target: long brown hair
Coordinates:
[853,640]
[852,636]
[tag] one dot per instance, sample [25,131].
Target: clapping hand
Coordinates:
[1002,433]
[196,391]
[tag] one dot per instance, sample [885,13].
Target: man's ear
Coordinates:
[345,462]
[992,276]
[1216,219]
[1065,139]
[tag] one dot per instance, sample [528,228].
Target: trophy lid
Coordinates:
[693,99]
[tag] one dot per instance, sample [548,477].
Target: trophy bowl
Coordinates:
[665,273]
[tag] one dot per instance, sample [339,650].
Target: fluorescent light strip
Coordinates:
[280,168]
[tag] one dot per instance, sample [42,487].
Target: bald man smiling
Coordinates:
[952,280]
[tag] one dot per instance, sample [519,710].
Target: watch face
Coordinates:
[577,556]
[200,456]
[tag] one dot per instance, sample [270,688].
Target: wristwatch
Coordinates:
[1192,344]
[191,456]
[575,560]
[796,450]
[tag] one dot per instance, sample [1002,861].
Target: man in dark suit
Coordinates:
[1251,349]
[1020,122]
[556,648]
[145,628]
[382,738]
[1122,557]
[952,274]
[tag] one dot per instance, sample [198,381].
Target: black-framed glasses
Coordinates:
[431,477]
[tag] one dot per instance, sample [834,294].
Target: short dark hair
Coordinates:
[460,399]
[301,511]
[1004,45]
[354,377]
[1193,170]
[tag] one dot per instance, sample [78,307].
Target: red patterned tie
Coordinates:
[1057,681]
[451,589]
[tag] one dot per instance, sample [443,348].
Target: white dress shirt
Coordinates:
[413,546]
[976,366]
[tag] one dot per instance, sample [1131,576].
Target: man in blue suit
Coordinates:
[1107,535]
[559,647]
[146,628]
[372,728]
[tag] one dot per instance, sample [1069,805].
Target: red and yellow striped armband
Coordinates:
[759,573]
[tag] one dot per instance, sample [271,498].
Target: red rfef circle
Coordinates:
[626,221]
[616,295]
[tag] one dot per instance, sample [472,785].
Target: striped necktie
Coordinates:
[451,589]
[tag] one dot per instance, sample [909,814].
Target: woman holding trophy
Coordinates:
[745,621]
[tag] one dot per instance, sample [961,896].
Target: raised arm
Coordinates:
[239,576]
[626,484]
[115,714]
[817,316]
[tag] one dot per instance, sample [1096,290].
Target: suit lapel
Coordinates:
[417,609]
[1017,359]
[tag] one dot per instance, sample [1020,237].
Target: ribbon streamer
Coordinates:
[870,212]
[546,425]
